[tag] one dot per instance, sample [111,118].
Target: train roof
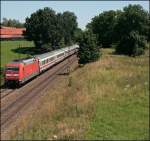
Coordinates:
[25,61]
[55,52]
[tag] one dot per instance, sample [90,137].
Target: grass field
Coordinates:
[14,50]
[107,99]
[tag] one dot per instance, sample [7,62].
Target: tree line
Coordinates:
[12,23]
[127,29]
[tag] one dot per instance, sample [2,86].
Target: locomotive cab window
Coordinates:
[12,68]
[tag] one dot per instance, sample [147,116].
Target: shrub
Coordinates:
[88,51]
[132,45]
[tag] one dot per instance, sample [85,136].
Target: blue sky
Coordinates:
[84,10]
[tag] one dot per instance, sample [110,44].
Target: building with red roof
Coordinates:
[11,32]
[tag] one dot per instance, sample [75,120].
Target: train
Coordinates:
[22,70]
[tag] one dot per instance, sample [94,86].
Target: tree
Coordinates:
[133,18]
[148,30]
[77,34]
[103,26]
[41,28]
[88,49]
[49,30]
[12,23]
[132,30]
[69,25]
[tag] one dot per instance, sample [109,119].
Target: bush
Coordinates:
[132,45]
[88,51]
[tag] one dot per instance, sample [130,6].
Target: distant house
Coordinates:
[11,32]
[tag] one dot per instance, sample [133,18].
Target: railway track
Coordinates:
[3,90]
[6,92]
[9,112]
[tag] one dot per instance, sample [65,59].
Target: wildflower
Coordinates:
[55,137]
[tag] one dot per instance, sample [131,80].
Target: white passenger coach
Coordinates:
[46,60]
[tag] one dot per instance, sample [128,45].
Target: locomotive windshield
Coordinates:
[12,68]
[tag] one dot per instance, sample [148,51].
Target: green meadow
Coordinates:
[11,50]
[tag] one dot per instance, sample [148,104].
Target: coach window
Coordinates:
[52,58]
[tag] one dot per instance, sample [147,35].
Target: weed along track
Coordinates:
[31,93]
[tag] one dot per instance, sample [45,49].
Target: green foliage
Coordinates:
[133,18]
[12,23]
[40,27]
[132,30]
[148,30]
[128,28]
[103,26]
[77,35]
[62,43]
[88,51]
[46,46]
[49,30]
[69,26]
[131,45]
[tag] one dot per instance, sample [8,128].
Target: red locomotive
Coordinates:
[20,71]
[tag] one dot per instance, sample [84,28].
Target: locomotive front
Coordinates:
[12,73]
